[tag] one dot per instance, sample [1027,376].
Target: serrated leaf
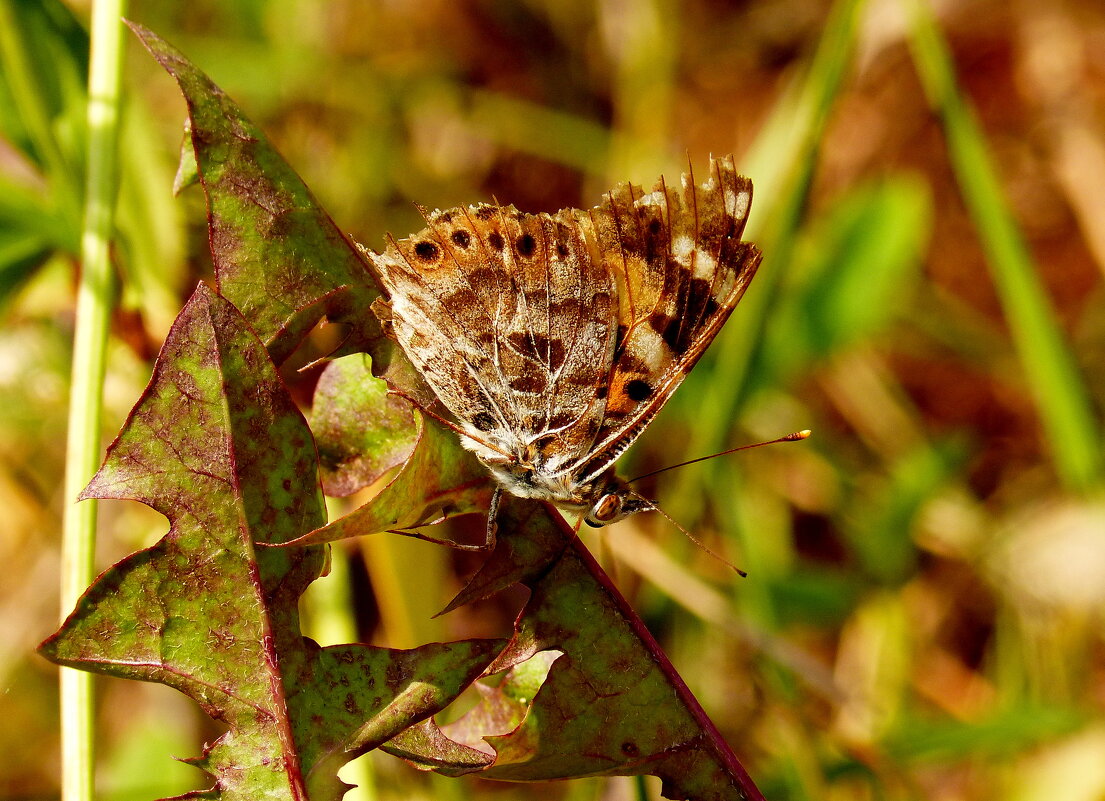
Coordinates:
[278,256]
[611,703]
[440,479]
[217,445]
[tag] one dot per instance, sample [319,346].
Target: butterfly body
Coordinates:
[555,339]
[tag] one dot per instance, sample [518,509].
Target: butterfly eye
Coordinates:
[607,510]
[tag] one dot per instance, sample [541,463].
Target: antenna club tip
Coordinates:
[797,435]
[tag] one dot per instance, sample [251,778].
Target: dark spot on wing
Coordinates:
[484,421]
[446,217]
[530,381]
[637,390]
[485,212]
[561,250]
[668,328]
[655,226]
[461,238]
[561,420]
[484,279]
[463,298]
[427,251]
[630,363]
[533,344]
[540,344]
[495,239]
[602,391]
[526,245]
[556,354]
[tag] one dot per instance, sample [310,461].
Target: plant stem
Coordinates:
[89,358]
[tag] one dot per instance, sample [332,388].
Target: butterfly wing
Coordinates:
[680,268]
[511,321]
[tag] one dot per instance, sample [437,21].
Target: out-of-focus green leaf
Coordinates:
[853,271]
[880,526]
[1003,734]
[20,256]
[44,54]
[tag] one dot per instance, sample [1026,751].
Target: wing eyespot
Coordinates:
[638,390]
[426,250]
[526,245]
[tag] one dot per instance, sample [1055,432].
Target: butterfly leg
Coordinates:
[492,521]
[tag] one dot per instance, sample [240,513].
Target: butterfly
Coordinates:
[555,339]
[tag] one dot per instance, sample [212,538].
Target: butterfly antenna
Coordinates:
[794,437]
[695,539]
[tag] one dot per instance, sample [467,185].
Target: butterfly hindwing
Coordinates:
[510,321]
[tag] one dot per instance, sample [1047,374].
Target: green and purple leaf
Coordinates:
[278,256]
[361,430]
[587,691]
[439,480]
[217,446]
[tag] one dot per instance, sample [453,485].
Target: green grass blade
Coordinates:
[1059,391]
[89,362]
[780,165]
[40,77]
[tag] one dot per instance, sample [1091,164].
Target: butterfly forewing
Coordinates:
[510,321]
[681,270]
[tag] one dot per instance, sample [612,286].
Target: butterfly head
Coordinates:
[610,500]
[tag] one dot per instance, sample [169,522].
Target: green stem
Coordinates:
[89,358]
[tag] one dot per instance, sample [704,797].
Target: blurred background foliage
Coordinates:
[922,618]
